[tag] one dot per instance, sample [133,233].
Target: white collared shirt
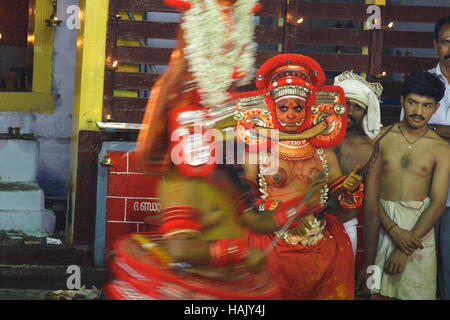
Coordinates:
[442,115]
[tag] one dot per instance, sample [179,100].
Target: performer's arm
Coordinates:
[219,253]
[183,248]
[277,214]
[261,222]
[438,194]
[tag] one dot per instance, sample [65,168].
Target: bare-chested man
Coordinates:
[364,122]
[412,173]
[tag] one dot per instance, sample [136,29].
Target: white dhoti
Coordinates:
[418,279]
[350,228]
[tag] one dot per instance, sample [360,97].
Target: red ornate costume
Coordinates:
[198,198]
[313,259]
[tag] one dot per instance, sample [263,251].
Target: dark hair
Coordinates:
[424,83]
[441,22]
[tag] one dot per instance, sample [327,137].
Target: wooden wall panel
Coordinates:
[14,22]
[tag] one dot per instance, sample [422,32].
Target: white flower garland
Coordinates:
[206,34]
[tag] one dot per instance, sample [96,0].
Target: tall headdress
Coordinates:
[290,75]
[300,76]
[209,57]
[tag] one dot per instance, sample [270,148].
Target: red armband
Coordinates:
[227,251]
[178,4]
[353,200]
[180,219]
[286,211]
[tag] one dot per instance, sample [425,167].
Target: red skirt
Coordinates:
[138,275]
[324,271]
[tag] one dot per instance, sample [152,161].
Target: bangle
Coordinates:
[348,200]
[285,212]
[224,252]
[387,231]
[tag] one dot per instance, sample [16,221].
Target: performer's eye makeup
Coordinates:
[284,108]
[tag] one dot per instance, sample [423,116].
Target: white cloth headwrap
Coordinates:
[365,94]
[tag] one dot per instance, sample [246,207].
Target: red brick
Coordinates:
[115,209]
[132,162]
[138,209]
[132,185]
[114,230]
[118,160]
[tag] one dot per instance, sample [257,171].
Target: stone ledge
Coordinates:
[45,255]
[47,277]
[23,294]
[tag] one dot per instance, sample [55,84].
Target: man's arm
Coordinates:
[371,222]
[443,131]
[438,193]
[405,240]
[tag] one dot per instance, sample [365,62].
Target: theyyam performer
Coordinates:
[312,258]
[198,250]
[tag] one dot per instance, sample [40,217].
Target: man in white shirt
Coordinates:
[440,122]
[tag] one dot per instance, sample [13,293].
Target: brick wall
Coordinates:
[131,196]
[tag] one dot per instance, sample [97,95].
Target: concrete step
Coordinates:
[43,254]
[33,277]
[18,159]
[35,223]
[23,294]
[17,196]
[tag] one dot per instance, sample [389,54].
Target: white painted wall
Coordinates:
[53,130]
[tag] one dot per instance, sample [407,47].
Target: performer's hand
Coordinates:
[353,180]
[255,261]
[396,262]
[405,240]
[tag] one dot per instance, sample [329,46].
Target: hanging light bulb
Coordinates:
[111,64]
[53,21]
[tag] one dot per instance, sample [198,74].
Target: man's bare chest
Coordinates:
[418,160]
[353,153]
